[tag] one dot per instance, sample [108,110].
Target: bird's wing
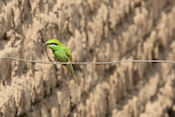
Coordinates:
[68,53]
[61,55]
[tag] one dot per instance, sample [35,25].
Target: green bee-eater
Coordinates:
[63,54]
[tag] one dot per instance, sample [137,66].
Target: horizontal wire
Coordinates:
[84,63]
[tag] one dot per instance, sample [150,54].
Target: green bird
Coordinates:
[63,54]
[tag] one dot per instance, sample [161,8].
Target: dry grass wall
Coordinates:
[94,30]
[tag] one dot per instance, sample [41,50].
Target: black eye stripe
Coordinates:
[51,44]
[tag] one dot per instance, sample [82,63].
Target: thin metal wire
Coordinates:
[84,63]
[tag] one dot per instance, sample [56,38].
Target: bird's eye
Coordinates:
[52,44]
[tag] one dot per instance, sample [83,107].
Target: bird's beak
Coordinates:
[44,44]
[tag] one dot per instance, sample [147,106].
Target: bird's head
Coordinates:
[52,44]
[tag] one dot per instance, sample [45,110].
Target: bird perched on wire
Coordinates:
[62,54]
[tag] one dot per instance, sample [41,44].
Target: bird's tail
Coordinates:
[76,80]
[71,70]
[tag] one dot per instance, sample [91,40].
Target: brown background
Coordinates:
[94,30]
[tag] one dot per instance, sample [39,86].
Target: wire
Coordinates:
[84,63]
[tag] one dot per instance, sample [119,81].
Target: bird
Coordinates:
[63,54]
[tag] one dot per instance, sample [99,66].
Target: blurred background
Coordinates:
[94,30]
